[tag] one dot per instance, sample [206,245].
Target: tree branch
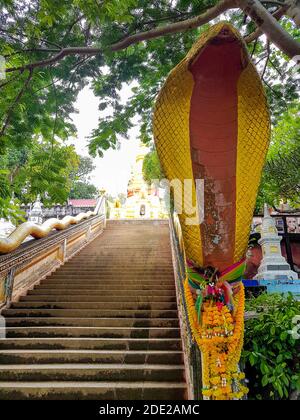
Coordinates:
[21,34]
[185,25]
[256,34]
[254,48]
[55,120]
[71,26]
[261,59]
[14,104]
[30,50]
[294,10]
[276,3]
[78,64]
[270,27]
[275,68]
[266,23]
[279,95]
[58,57]
[267,60]
[12,79]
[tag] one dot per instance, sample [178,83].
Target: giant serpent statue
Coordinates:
[211,122]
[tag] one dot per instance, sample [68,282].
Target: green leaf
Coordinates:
[279,389]
[265,380]
[283,336]
[252,359]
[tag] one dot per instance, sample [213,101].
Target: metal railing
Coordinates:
[192,354]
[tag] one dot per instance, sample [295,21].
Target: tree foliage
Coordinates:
[55,48]
[44,168]
[152,168]
[83,190]
[38,99]
[281,175]
[84,169]
[81,187]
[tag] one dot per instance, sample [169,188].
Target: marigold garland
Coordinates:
[220,340]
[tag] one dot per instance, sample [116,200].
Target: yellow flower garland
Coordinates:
[220,340]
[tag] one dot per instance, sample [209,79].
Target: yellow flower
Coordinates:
[226,349]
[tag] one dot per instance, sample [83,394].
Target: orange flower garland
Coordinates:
[220,339]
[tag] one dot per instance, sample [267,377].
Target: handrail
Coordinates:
[15,239]
[191,350]
[33,260]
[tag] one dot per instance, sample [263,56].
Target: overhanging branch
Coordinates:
[184,25]
[258,32]
[270,27]
[264,20]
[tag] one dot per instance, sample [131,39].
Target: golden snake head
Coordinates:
[226,34]
[211,123]
[219,39]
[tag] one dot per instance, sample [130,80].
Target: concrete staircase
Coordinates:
[103,326]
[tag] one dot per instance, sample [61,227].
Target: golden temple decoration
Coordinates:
[236,145]
[16,238]
[211,124]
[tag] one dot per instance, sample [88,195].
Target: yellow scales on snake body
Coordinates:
[211,122]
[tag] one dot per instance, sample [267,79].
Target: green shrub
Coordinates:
[271,355]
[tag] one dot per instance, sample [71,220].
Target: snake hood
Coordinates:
[211,123]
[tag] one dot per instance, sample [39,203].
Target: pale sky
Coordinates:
[113,170]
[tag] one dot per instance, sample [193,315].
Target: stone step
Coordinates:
[121,252]
[93,390]
[114,270]
[110,276]
[92,332]
[102,286]
[91,372]
[103,326]
[124,251]
[90,283]
[102,265]
[97,298]
[102,292]
[134,257]
[167,357]
[79,281]
[90,313]
[91,343]
[93,322]
[115,276]
[129,262]
[95,305]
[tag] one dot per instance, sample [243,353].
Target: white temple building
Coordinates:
[273,266]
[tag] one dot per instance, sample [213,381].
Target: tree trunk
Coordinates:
[294,11]
[270,27]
